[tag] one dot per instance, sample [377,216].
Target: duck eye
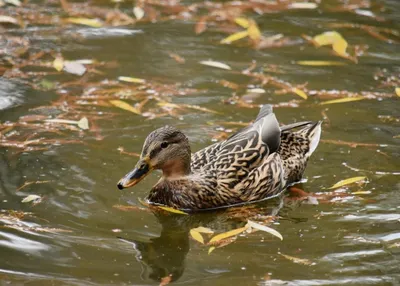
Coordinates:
[164,145]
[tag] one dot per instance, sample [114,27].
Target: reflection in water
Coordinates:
[165,255]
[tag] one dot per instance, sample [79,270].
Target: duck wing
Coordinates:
[264,131]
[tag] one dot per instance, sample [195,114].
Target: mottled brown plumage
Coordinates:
[255,163]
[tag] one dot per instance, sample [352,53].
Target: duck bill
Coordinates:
[141,170]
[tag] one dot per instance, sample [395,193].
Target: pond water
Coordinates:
[77,234]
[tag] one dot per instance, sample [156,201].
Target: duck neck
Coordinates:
[176,168]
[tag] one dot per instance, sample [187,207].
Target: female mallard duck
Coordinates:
[255,163]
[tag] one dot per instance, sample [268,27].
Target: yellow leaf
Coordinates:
[235,37]
[227,234]
[297,260]
[216,65]
[300,93]
[211,249]
[347,182]
[131,79]
[341,100]
[125,106]
[361,193]
[254,31]
[243,22]
[203,229]
[86,21]
[320,63]
[327,38]
[264,228]
[397,90]
[138,12]
[340,47]
[58,63]
[303,5]
[197,236]
[172,210]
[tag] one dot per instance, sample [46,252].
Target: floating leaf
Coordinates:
[264,228]
[13,2]
[397,90]
[327,38]
[203,229]
[303,5]
[361,193]
[235,37]
[347,182]
[243,22]
[216,65]
[254,31]
[172,210]
[299,92]
[340,47]
[342,100]
[166,280]
[125,106]
[320,63]
[138,12]
[58,63]
[339,44]
[256,90]
[211,249]
[197,236]
[32,198]
[8,19]
[95,23]
[83,123]
[227,234]
[131,79]
[74,67]
[297,260]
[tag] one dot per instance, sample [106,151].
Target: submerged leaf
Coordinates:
[211,249]
[320,63]
[125,106]
[227,234]
[172,210]
[197,236]
[297,260]
[235,37]
[95,23]
[347,182]
[32,198]
[216,65]
[131,79]
[342,100]
[264,228]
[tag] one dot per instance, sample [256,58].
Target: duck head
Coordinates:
[166,149]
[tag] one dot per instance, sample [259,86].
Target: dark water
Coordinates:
[352,241]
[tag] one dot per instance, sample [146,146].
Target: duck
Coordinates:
[256,163]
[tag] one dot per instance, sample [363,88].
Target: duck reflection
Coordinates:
[163,258]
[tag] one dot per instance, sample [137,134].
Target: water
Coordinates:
[353,241]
